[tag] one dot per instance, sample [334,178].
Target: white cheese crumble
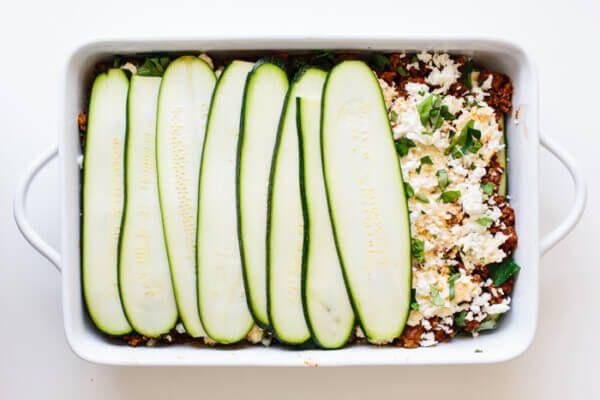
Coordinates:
[129,67]
[206,58]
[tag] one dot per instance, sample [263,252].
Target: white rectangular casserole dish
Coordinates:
[516,329]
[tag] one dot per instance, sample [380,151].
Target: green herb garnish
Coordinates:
[465,77]
[443,182]
[451,281]
[380,61]
[154,66]
[487,325]
[401,71]
[424,109]
[466,140]
[394,116]
[424,161]
[408,189]
[488,188]
[434,293]
[403,145]
[500,272]
[422,198]
[414,59]
[459,320]
[446,114]
[417,248]
[484,221]
[414,304]
[478,351]
[451,134]
[450,196]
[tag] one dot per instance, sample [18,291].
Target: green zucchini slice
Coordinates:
[221,294]
[366,199]
[103,198]
[326,304]
[144,278]
[285,220]
[183,103]
[264,94]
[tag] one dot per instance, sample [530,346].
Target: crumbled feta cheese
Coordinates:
[180,328]
[255,335]
[428,339]
[129,67]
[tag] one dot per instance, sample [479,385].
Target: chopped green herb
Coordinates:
[466,140]
[323,54]
[484,221]
[394,116]
[117,62]
[417,248]
[475,148]
[459,320]
[446,114]
[421,93]
[401,71]
[424,109]
[380,61]
[488,188]
[427,133]
[443,182]
[414,59]
[451,134]
[403,145]
[500,272]
[424,161]
[478,351]
[408,189]
[456,153]
[451,281]
[450,196]
[423,212]
[414,304]
[154,66]
[465,77]
[434,293]
[487,325]
[422,198]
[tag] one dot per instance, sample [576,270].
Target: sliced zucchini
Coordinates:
[144,279]
[285,221]
[366,199]
[103,198]
[501,158]
[264,94]
[326,304]
[183,104]
[221,295]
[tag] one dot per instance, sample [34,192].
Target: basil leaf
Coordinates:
[500,272]
[424,109]
[401,71]
[484,221]
[475,148]
[465,77]
[422,198]
[487,325]
[451,134]
[451,281]
[478,351]
[446,114]
[403,145]
[424,161]
[394,116]
[417,248]
[414,59]
[450,196]
[380,61]
[462,139]
[414,304]
[488,188]
[442,179]
[457,154]
[434,293]
[154,66]
[408,190]
[474,132]
[459,320]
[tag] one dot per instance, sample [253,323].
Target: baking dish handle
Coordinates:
[20,203]
[557,234]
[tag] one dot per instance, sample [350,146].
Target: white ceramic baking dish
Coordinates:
[517,328]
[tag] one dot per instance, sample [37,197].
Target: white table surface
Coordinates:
[35,360]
